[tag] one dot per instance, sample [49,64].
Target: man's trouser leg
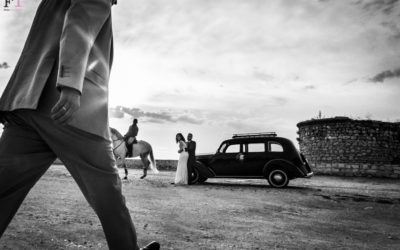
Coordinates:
[190,169]
[24,157]
[129,147]
[90,161]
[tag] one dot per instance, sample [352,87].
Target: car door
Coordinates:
[255,157]
[228,161]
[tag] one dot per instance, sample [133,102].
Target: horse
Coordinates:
[141,148]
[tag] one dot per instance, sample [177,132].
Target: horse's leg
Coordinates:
[123,152]
[144,173]
[125,169]
[146,164]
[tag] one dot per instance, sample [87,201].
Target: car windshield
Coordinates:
[232,148]
[222,148]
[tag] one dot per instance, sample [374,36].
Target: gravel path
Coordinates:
[318,213]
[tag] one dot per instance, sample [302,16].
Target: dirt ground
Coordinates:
[318,213]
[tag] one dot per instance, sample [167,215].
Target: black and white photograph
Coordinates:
[199,124]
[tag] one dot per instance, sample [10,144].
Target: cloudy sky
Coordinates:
[216,67]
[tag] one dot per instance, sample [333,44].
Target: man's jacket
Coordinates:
[75,36]
[191,148]
[132,132]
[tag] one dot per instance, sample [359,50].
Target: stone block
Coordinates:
[387,174]
[388,167]
[381,168]
[365,166]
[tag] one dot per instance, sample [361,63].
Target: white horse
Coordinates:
[141,148]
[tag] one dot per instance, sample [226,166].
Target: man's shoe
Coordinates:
[154,245]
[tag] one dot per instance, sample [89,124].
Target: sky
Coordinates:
[218,67]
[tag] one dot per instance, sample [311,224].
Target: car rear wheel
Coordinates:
[278,178]
[197,178]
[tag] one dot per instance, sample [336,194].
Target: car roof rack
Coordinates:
[252,135]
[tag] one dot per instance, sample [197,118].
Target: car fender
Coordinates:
[204,170]
[289,167]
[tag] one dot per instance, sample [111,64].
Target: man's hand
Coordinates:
[67,105]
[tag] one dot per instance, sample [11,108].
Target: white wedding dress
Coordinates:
[181,176]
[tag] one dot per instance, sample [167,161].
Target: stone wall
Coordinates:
[343,146]
[168,165]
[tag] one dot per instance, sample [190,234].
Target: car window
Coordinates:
[234,148]
[275,147]
[222,148]
[255,147]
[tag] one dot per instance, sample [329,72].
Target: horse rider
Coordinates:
[130,137]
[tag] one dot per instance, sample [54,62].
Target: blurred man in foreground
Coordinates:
[56,105]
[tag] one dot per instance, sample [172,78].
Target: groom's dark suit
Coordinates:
[69,46]
[191,149]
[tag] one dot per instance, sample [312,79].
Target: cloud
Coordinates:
[309,87]
[393,29]
[386,6]
[189,119]
[386,75]
[351,81]
[157,117]
[4,65]
[262,76]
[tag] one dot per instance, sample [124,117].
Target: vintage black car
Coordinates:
[256,155]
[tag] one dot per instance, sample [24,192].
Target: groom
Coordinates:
[56,105]
[191,148]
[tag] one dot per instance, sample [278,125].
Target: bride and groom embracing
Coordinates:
[187,159]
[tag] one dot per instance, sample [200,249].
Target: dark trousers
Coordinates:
[29,145]
[190,166]
[129,147]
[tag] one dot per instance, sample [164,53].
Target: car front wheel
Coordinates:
[278,178]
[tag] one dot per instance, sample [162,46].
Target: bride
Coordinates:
[181,176]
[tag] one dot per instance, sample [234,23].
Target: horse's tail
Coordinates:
[153,164]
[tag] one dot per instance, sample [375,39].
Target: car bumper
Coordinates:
[309,175]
